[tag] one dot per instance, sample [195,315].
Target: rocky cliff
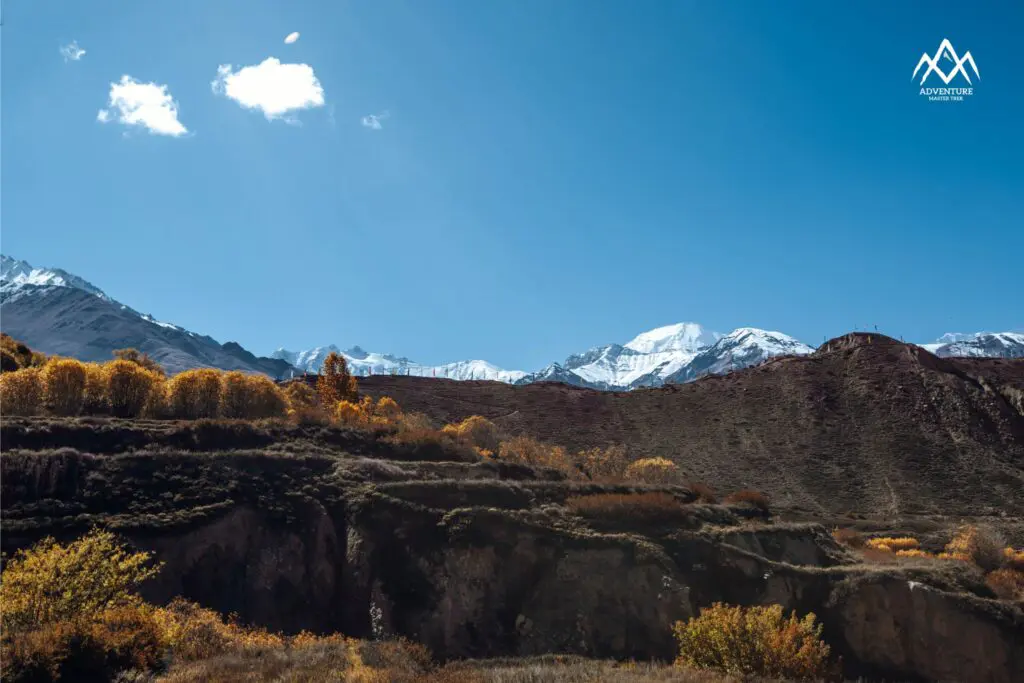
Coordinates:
[325,529]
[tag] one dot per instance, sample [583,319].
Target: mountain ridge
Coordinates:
[59,312]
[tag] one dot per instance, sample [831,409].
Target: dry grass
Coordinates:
[704,493]
[642,508]
[748,497]
[851,538]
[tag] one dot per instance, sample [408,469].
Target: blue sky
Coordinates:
[546,176]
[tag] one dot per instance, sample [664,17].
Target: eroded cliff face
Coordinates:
[493,564]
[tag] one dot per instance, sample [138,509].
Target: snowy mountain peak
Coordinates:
[14,273]
[679,337]
[979,345]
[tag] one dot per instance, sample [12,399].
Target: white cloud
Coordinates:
[278,90]
[373,121]
[143,104]
[291,37]
[71,51]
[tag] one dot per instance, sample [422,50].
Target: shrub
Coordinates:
[849,537]
[17,355]
[192,632]
[653,471]
[97,647]
[64,385]
[140,359]
[477,431]
[1014,559]
[350,414]
[749,497]
[335,383]
[129,387]
[753,641]
[528,451]
[603,464]
[891,544]
[52,582]
[387,409]
[981,545]
[912,552]
[1007,583]
[194,394]
[21,392]
[644,508]
[251,397]
[704,493]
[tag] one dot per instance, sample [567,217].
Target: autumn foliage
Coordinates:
[653,471]
[477,431]
[754,641]
[335,383]
[21,392]
[64,385]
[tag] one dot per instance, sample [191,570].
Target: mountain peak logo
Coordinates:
[946,54]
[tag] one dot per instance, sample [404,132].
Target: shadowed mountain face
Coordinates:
[865,424]
[73,322]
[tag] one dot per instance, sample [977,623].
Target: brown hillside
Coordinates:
[866,424]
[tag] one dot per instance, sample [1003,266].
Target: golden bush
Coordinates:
[387,409]
[21,392]
[981,545]
[350,414]
[64,385]
[52,582]
[251,397]
[603,464]
[94,647]
[96,398]
[139,358]
[892,544]
[334,382]
[18,355]
[192,632]
[194,394]
[653,471]
[754,641]
[129,387]
[1007,583]
[477,431]
[1014,559]
[913,552]
[526,450]
[300,395]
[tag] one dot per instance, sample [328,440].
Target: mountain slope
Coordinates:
[58,313]
[863,424]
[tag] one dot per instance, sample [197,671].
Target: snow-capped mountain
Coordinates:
[362,363]
[741,348]
[56,312]
[979,345]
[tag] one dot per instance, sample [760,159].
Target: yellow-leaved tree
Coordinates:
[139,358]
[64,385]
[194,393]
[129,387]
[334,382]
[21,392]
[52,582]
